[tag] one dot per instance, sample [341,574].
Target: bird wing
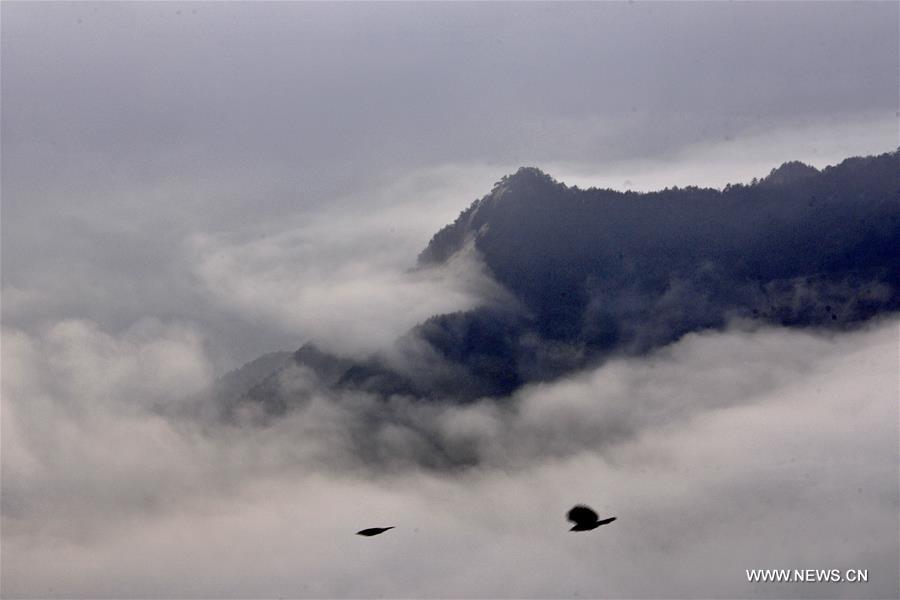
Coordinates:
[373,530]
[582,514]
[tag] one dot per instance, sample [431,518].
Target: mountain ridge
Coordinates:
[598,272]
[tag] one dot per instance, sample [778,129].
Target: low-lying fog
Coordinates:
[749,448]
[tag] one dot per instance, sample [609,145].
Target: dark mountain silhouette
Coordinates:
[585,518]
[789,172]
[598,272]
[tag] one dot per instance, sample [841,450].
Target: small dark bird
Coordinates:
[586,519]
[373,531]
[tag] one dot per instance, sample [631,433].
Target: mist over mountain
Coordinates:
[273,273]
[596,273]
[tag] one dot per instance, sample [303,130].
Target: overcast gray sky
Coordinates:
[145,127]
[188,186]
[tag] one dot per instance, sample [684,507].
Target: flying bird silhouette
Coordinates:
[586,519]
[373,531]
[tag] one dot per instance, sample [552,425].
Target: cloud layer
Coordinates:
[756,448]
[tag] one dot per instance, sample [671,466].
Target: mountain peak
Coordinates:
[593,274]
[531,172]
[526,176]
[790,172]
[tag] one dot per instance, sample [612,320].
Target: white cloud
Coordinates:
[723,452]
[343,277]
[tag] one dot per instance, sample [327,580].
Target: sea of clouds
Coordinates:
[746,448]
